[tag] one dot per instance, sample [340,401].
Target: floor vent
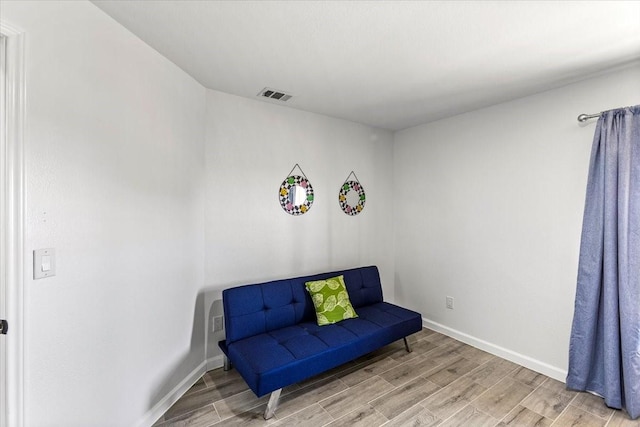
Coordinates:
[274,94]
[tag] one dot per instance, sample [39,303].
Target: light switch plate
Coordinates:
[44,263]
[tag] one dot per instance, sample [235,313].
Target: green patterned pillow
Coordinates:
[331,300]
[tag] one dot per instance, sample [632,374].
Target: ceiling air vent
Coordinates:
[274,94]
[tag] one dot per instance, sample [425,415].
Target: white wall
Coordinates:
[489,211]
[251,147]
[114,182]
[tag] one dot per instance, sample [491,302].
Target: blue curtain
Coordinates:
[604,352]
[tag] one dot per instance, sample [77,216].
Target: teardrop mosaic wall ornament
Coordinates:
[352,196]
[296,194]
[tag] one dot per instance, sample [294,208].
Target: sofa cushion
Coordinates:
[278,358]
[254,309]
[331,300]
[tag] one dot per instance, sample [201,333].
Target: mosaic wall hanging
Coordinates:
[296,193]
[351,196]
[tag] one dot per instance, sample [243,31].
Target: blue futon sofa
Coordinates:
[273,339]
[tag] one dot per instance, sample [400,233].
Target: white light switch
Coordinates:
[44,263]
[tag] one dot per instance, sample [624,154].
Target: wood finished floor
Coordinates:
[443,382]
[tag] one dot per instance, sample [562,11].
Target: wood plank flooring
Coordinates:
[443,382]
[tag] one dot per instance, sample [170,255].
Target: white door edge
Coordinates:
[12,217]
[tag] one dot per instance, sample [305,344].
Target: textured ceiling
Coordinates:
[387,64]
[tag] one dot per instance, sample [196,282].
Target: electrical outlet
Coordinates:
[218,323]
[449,303]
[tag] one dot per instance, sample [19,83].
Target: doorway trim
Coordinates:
[12,208]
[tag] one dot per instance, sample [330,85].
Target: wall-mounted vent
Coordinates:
[274,94]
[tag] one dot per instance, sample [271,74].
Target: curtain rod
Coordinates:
[585,117]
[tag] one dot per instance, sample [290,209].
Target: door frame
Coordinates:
[12,208]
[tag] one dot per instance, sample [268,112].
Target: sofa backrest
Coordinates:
[254,309]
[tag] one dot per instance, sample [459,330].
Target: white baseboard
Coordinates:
[526,361]
[172,397]
[215,362]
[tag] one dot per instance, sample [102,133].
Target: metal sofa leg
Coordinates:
[273,404]
[227,364]
[406,345]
